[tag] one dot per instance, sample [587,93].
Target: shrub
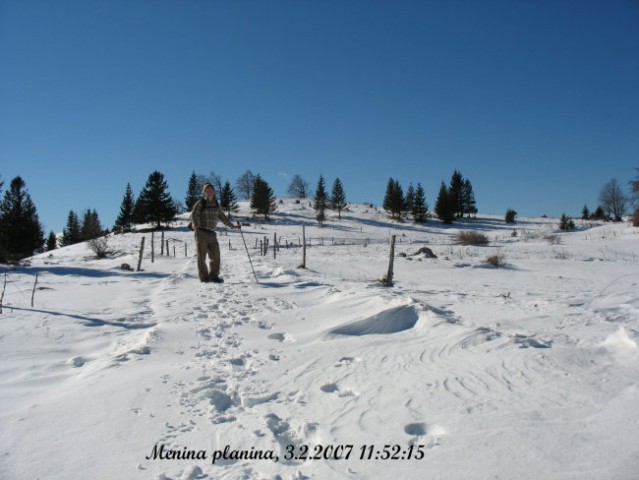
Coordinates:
[495,260]
[100,246]
[510,216]
[566,223]
[471,238]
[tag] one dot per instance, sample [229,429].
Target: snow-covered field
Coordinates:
[460,370]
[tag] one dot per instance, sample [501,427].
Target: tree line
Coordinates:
[21,234]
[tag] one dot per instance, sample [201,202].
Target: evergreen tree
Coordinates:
[52,242]
[338,197]
[193,192]
[469,205]
[455,193]
[443,208]
[566,223]
[420,207]
[409,204]
[585,213]
[244,184]
[394,201]
[155,205]
[321,201]
[263,200]
[71,233]
[228,200]
[91,227]
[20,232]
[510,216]
[125,218]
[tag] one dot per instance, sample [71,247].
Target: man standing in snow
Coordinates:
[204,217]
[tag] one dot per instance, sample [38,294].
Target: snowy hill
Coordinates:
[461,370]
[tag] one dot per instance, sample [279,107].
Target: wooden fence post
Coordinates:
[141,253]
[387,281]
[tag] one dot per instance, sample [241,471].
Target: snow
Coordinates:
[528,370]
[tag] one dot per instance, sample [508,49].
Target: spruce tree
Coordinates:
[321,201]
[228,200]
[263,199]
[443,208]
[394,201]
[338,197]
[193,192]
[155,205]
[91,227]
[456,195]
[585,213]
[125,219]
[52,242]
[71,233]
[409,204]
[469,205]
[20,232]
[420,207]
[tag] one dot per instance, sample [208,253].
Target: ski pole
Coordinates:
[247,253]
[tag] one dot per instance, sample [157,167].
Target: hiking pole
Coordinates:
[247,253]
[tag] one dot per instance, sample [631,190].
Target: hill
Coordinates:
[461,370]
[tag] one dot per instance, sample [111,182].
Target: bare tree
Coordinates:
[244,184]
[613,200]
[634,187]
[298,187]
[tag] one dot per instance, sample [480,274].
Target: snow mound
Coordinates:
[393,320]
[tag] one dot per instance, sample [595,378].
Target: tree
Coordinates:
[456,195]
[420,207]
[566,223]
[71,233]
[228,200]
[125,218]
[91,227]
[155,205]
[394,201]
[469,205]
[585,213]
[263,200]
[444,208]
[338,197]
[321,201]
[613,200]
[244,184]
[409,203]
[52,242]
[510,216]
[298,187]
[193,192]
[20,232]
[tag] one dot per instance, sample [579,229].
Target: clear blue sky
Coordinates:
[536,102]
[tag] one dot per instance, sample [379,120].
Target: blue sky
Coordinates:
[536,102]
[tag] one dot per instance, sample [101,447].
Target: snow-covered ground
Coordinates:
[460,370]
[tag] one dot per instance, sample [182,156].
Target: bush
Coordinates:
[566,223]
[510,216]
[100,246]
[496,260]
[471,238]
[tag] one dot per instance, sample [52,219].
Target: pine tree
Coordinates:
[52,242]
[338,197]
[469,205]
[193,192]
[585,213]
[155,205]
[20,232]
[71,233]
[443,206]
[91,227]
[228,200]
[409,204]
[394,201]
[263,200]
[420,207]
[455,192]
[125,219]
[321,201]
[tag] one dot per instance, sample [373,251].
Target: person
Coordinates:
[204,216]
